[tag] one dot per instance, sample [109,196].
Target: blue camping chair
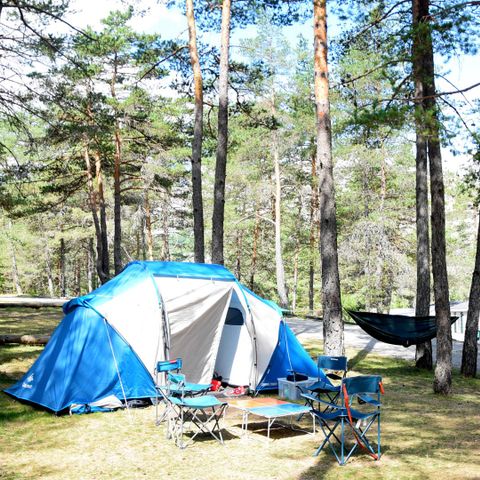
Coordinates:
[325,393]
[186,405]
[162,386]
[180,387]
[199,415]
[358,421]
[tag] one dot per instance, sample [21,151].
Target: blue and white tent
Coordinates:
[105,350]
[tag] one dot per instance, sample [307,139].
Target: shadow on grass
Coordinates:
[361,355]
[8,353]
[423,434]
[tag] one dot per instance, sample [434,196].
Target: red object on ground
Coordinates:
[215,385]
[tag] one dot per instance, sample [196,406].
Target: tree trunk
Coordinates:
[92,196]
[221,160]
[90,257]
[62,276]
[24,339]
[470,346]
[78,279]
[314,227]
[279,267]
[295,273]
[165,255]
[443,370]
[48,268]
[148,225]
[105,276]
[256,234]
[238,259]
[382,290]
[423,354]
[31,302]
[117,208]
[117,194]
[331,299]
[197,198]
[15,276]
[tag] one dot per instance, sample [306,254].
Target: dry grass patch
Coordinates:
[423,436]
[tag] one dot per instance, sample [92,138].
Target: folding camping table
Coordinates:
[270,409]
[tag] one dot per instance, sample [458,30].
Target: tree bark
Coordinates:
[24,339]
[423,353]
[314,227]
[48,268]
[62,276]
[279,266]
[443,369]
[256,234]
[222,145]
[105,276]
[90,262]
[94,210]
[117,194]
[165,255]
[197,198]
[15,276]
[148,225]
[31,302]
[470,345]
[295,273]
[331,298]
[238,256]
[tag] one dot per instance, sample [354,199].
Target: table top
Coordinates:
[284,410]
[249,403]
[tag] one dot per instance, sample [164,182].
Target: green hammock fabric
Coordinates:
[397,329]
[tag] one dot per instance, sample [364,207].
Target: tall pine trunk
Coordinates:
[148,224]
[197,199]
[331,298]
[90,262]
[314,227]
[96,222]
[256,234]
[13,254]
[279,266]
[62,267]
[423,354]
[470,346]
[443,369]
[222,139]
[117,192]
[48,268]
[103,219]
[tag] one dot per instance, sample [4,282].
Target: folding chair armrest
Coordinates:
[334,376]
[177,378]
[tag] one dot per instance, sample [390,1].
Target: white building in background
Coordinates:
[457,309]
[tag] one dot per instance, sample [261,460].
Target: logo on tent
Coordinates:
[28,383]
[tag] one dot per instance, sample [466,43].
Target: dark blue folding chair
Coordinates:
[180,387]
[162,384]
[187,408]
[353,423]
[198,415]
[325,393]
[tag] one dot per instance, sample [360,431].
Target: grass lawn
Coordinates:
[423,436]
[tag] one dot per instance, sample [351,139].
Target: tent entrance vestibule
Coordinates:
[211,332]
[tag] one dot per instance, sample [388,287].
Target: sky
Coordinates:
[460,72]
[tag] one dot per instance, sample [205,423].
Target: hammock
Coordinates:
[397,329]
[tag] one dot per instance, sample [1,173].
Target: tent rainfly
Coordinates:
[105,350]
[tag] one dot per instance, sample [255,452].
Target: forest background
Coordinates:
[76,102]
